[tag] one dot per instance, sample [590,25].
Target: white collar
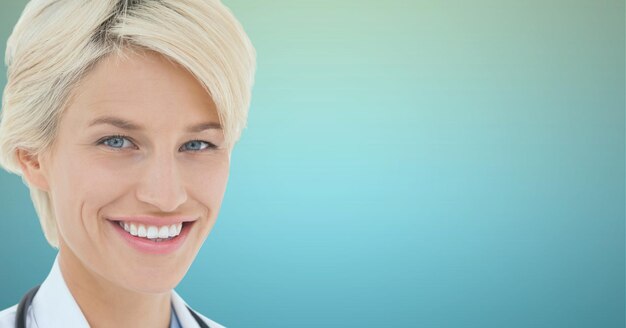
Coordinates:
[55,307]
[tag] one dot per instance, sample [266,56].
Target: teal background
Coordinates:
[409,164]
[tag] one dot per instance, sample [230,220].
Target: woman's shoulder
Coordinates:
[7,317]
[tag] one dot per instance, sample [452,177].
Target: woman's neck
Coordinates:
[105,304]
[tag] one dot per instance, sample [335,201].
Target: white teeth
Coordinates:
[133,229]
[173,230]
[152,232]
[141,231]
[164,232]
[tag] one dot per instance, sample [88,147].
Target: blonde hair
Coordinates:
[56,42]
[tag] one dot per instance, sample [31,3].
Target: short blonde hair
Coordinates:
[56,42]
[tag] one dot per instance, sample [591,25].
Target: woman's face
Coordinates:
[140,143]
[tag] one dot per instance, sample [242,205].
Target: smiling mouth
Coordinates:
[152,233]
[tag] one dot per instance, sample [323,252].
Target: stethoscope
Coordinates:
[20,318]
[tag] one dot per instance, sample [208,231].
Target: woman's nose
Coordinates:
[161,184]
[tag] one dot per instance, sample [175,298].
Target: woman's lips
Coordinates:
[145,245]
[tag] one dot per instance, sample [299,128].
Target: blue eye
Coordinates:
[115,141]
[197,145]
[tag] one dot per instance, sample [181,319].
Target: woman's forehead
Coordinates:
[130,78]
[142,87]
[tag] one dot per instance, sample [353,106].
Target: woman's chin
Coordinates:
[150,281]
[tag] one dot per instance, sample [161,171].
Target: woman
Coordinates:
[121,117]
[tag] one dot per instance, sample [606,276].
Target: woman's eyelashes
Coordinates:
[198,145]
[116,142]
[119,142]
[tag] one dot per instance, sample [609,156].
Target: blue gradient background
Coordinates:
[409,164]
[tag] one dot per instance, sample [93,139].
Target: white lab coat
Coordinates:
[55,307]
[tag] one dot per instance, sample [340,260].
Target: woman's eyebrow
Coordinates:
[128,125]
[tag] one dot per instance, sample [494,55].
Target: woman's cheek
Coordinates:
[210,174]
[104,177]
[110,165]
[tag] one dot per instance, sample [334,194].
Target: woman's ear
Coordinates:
[32,169]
